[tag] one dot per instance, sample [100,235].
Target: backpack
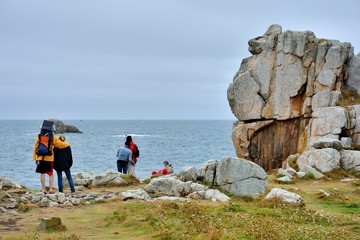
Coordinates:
[44,147]
[137,152]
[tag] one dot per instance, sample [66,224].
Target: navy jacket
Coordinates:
[62,158]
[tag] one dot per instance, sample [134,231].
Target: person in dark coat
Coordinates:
[62,163]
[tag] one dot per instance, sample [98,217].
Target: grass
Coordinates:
[349,98]
[334,217]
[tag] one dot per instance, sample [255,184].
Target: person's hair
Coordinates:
[166,162]
[128,141]
[62,138]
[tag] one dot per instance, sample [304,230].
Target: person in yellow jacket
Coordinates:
[45,162]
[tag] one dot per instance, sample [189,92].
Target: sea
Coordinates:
[181,142]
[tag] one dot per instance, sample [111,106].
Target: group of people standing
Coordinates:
[57,155]
[126,157]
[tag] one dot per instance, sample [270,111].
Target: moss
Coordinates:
[130,179]
[309,175]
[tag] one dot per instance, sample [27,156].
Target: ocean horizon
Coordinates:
[181,142]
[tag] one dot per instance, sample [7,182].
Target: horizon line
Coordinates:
[217,119]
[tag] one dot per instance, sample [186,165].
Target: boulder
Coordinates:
[328,143]
[327,121]
[307,169]
[210,194]
[135,194]
[326,159]
[284,173]
[207,171]
[284,195]
[109,178]
[240,177]
[284,179]
[188,173]
[167,185]
[350,159]
[53,223]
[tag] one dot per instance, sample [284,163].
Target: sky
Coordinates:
[142,59]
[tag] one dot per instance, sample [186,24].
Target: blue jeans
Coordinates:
[122,166]
[69,178]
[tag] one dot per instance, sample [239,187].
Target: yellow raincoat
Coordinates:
[56,143]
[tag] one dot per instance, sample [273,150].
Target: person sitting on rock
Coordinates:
[165,171]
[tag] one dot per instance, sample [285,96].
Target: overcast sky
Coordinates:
[142,59]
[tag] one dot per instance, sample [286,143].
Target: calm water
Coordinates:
[182,143]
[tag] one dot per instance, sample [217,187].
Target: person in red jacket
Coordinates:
[133,148]
[165,171]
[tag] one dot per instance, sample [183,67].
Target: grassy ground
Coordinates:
[322,217]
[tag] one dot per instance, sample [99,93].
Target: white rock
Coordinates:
[346,142]
[308,169]
[326,159]
[284,172]
[188,173]
[350,159]
[135,194]
[284,179]
[286,196]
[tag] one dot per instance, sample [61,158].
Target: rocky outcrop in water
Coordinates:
[64,128]
[286,99]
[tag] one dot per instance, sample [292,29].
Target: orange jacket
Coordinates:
[56,143]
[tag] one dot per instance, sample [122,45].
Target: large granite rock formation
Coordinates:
[286,96]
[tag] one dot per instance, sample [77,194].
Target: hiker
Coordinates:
[62,163]
[135,154]
[124,156]
[165,171]
[43,153]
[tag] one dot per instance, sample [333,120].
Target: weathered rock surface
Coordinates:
[240,177]
[286,95]
[237,176]
[350,159]
[326,160]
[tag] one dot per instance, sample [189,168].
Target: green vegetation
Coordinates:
[334,214]
[349,98]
